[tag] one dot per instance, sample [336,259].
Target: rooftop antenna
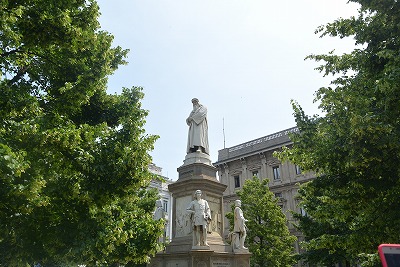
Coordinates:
[223,129]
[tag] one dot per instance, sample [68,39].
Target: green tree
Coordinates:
[268,237]
[73,159]
[354,147]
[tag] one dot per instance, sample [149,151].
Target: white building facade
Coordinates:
[165,197]
[255,158]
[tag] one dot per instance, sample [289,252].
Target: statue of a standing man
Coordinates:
[201,217]
[239,226]
[198,129]
[159,214]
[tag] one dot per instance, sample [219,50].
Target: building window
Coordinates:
[298,169]
[277,172]
[165,205]
[236,178]
[255,173]
[278,195]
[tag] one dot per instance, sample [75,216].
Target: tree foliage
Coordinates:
[355,146]
[268,237]
[73,159]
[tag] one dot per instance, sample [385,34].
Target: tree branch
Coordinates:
[5,54]
[19,74]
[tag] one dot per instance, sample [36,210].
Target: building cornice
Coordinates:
[254,147]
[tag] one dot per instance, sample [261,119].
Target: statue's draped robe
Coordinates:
[239,225]
[198,130]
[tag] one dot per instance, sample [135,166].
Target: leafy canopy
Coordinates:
[353,205]
[73,159]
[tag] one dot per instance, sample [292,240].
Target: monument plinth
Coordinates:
[197,206]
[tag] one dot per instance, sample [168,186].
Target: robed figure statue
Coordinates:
[239,227]
[198,129]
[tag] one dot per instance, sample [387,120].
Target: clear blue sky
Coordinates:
[243,59]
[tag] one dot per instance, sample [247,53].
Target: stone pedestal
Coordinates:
[197,173]
[201,258]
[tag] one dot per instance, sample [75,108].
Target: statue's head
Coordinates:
[195,101]
[158,203]
[238,203]
[197,193]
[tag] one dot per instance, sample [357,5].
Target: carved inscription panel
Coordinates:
[183,223]
[221,263]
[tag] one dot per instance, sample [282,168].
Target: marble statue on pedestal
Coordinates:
[198,129]
[201,217]
[159,214]
[239,228]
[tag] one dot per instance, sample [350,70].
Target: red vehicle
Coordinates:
[389,254]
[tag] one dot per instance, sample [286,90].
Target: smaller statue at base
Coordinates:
[160,214]
[238,235]
[201,217]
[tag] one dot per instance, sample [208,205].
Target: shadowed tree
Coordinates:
[73,159]
[353,204]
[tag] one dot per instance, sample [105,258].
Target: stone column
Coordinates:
[244,171]
[263,159]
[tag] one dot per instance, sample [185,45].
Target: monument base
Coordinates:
[205,247]
[197,173]
[185,243]
[241,250]
[197,157]
[201,258]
